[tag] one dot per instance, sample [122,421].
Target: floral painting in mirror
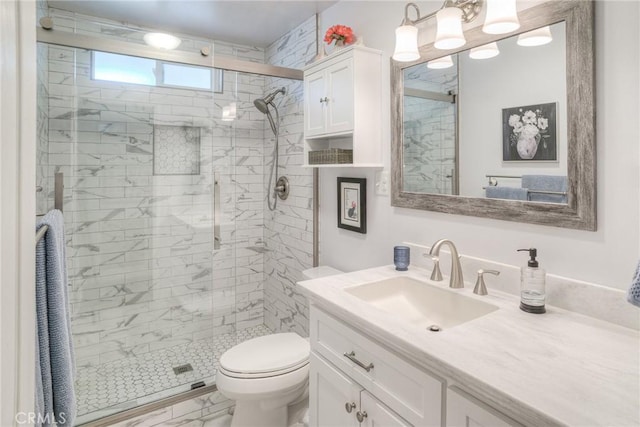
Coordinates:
[529,133]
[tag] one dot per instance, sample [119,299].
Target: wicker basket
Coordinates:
[330,156]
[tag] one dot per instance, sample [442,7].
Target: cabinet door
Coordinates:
[466,411]
[340,97]
[378,415]
[330,391]
[315,113]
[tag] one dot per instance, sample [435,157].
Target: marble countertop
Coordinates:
[559,368]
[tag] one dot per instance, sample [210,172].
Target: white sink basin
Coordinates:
[420,303]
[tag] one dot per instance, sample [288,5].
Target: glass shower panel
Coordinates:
[139,165]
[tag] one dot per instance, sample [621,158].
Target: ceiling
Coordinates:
[253,23]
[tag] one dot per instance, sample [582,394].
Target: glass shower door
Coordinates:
[137,153]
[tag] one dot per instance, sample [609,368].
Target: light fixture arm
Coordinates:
[470,10]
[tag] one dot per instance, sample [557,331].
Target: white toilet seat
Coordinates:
[252,375]
[254,388]
[266,356]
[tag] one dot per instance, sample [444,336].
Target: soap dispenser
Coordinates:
[532,284]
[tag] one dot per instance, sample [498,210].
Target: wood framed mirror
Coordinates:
[494,137]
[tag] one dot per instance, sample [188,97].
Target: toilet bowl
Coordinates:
[264,376]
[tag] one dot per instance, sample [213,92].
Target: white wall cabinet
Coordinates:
[342,107]
[355,381]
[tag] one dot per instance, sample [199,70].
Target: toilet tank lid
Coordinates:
[266,354]
[318,272]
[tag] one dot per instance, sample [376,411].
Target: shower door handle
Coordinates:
[217,216]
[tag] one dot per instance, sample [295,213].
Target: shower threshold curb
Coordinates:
[150,407]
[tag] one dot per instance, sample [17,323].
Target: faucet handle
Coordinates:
[436,274]
[481,288]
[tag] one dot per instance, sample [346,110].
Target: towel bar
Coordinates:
[558,193]
[40,234]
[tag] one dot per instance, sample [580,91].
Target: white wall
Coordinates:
[607,256]
[17,209]
[518,76]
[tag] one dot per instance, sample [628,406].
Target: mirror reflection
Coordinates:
[490,122]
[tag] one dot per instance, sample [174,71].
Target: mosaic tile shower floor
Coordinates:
[140,379]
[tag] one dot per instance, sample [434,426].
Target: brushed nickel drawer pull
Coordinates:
[352,356]
[349,406]
[361,416]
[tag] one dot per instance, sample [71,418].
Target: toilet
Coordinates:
[267,375]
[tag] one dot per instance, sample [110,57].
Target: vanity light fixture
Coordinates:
[162,41]
[501,18]
[440,63]
[485,51]
[537,37]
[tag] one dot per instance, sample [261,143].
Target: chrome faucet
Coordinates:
[456,281]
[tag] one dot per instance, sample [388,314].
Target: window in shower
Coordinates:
[130,69]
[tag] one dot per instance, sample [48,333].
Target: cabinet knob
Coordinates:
[325,99]
[361,416]
[349,406]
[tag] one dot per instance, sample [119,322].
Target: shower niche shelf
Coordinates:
[343,106]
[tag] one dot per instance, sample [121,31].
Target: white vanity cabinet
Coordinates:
[354,381]
[464,410]
[343,105]
[348,368]
[338,401]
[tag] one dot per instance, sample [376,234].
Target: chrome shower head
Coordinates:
[262,104]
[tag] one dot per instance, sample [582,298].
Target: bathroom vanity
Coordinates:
[376,360]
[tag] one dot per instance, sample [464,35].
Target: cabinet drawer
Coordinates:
[413,394]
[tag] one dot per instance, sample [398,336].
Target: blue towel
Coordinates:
[545,183]
[55,365]
[634,291]
[513,193]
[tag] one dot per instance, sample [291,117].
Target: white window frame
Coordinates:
[217,75]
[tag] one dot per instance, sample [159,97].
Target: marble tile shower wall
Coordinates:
[429,130]
[42,146]
[289,230]
[142,270]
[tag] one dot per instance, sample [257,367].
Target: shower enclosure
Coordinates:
[164,166]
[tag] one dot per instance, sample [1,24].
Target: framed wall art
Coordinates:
[529,133]
[352,204]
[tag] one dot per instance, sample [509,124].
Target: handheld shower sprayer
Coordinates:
[282,186]
[262,104]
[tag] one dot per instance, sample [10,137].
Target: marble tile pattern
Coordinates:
[557,369]
[176,150]
[429,132]
[43,204]
[209,410]
[289,230]
[125,383]
[142,268]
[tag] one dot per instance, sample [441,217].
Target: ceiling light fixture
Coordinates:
[537,37]
[162,41]
[485,51]
[440,63]
[501,18]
